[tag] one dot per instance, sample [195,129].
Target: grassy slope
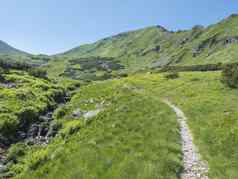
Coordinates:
[156,46]
[136,136]
[211,109]
[136,129]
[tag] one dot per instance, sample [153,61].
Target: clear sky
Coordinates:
[53,26]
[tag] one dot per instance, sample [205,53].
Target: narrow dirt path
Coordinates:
[194,166]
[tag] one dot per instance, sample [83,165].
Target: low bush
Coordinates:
[37,72]
[172,75]
[230,75]
[27,115]
[206,67]
[16,150]
[8,124]
[60,112]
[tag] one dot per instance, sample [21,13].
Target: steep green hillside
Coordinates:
[156,46]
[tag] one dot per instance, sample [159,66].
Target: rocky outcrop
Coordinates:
[156,49]
[86,115]
[213,43]
[8,85]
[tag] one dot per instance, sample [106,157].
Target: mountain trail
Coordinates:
[194,166]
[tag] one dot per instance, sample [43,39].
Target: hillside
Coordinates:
[122,129]
[10,54]
[106,110]
[7,49]
[156,47]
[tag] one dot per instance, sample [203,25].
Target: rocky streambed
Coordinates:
[40,132]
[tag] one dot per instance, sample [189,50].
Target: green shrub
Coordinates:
[16,150]
[206,67]
[172,75]
[60,112]
[8,124]
[1,74]
[230,75]
[27,115]
[37,72]
[70,128]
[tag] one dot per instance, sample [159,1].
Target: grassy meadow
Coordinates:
[136,135]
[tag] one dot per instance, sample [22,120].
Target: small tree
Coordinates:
[37,72]
[230,75]
[172,75]
[1,74]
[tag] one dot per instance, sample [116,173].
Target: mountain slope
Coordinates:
[9,54]
[7,49]
[156,46]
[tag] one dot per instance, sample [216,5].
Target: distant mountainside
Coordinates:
[156,46]
[10,54]
[9,50]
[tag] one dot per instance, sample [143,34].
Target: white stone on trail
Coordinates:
[194,166]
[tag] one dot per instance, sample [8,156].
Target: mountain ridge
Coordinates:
[5,48]
[156,45]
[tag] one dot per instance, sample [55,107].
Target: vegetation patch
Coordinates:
[92,68]
[135,135]
[230,75]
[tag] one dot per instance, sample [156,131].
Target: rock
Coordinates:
[43,131]
[8,85]
[33,131]
[91,114]
[21,135]
[77,113]
[230,40]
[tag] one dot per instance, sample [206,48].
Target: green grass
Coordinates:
[136,136]
[211,109]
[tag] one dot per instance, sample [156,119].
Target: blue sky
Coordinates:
[53,26]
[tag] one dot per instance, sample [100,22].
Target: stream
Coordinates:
[38,133]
